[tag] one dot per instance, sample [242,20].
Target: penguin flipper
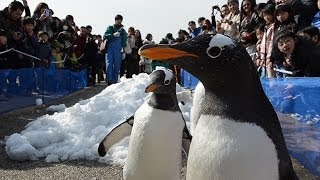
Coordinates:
[118,133]
[186,141]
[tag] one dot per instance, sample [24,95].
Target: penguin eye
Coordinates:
[166,82]
[214,52]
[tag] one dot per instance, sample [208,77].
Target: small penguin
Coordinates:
[157,132]
[238,134]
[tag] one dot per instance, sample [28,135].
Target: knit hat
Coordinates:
[3,32]
[232,1]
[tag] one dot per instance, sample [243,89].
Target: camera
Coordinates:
[216,7]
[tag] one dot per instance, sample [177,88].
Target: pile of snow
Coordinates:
[76,132]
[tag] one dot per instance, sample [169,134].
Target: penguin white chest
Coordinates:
[223,149]
[155,145]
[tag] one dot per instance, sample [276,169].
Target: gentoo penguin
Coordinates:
[238,135]
[158,129]
[198,97]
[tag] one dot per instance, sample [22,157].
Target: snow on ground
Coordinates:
[75,132]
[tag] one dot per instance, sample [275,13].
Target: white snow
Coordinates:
[56,108]
[75,132]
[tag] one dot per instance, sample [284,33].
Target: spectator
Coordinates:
[43,15]
[29,43]
[127,65]
[145,63]
[44,50]
[10,22]
[135,55]
[183,35]
[80,42]
[311,33]
[224,11]
[100,59]
[316,18]
[249,22]
[257,57]
[117,38]
[57,54]
[89,29]
[90,57]
[300,55]
[200,21]
[193,30]
[70,27]
[229,24]
[259,7]
[207,27]
[303,13]
[267,40]
[284,18]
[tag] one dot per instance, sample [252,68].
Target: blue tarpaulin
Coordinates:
[21,87]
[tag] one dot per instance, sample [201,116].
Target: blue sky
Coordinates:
[150,16]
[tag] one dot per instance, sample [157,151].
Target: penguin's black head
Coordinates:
[213,58]
[161,81]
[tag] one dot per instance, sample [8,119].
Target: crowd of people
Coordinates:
[281,36]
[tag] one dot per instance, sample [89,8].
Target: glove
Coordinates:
[116,34]
[123,56]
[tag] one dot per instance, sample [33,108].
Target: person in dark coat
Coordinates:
[298,55]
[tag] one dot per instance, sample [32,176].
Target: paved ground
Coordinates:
[15,121]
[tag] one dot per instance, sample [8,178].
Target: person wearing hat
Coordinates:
[229,25]
[116,37]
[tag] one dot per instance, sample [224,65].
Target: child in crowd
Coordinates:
[311,33]
[145,62]
[267,41]
[57,54]
[300,55]
[43,51]
[284,18]
[259,34]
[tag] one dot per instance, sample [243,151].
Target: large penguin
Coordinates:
[158,131]
[238,135]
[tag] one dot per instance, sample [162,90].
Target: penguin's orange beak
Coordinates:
[151,88]
[162,52]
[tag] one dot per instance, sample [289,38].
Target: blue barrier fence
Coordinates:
[52,81]
[21,87]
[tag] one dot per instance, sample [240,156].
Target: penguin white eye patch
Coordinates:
[168,74]
[214,52]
